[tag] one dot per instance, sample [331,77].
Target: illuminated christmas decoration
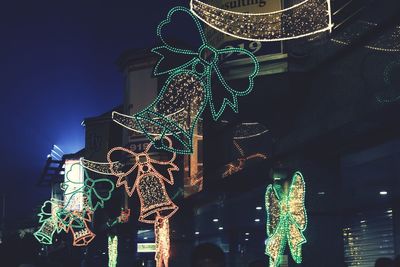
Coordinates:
[303,19]
[112,251]
[388,41]
[187,91]
[161,230]
[239,163]
[149,183]
[92,199]
[286,219]
[76,223]
[45,234]
[124,217]
[95,199]
[248,130]
[49,220]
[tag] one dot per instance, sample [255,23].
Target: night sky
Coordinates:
[57,67]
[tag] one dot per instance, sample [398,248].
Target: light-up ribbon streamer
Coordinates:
[239,164]
[112,251]
[162,239]
[286,219]
[187,90]
[303,19]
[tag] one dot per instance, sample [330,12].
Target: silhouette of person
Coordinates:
[208,255]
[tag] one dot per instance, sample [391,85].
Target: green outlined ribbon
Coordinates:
[199,68]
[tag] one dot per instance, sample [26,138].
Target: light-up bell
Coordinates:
[175,113]
[154,199]
[45,234]
[82,236]
[189,88]
[142,174]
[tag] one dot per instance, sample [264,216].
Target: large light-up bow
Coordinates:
[286,220]
[188,89]
[139,165]
[95,191]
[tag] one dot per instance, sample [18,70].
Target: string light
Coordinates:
[286,219]
[112,251]
[306,18]
[49,220]
[94,198]
[148,182]
[239,164]
[388,41]
[77,194]
[124,216]
[187,88]
[162,239]
[248,130]
[45,234]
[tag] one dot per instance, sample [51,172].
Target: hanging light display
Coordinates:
[149,183]
[187,90]
[81,199]
[140,172]
[286,219]
[387,41]
[306,18]
[161,232]
[244,131]
[112,251]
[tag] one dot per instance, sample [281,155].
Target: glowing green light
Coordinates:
[112,251]
[286,220]
[194,79]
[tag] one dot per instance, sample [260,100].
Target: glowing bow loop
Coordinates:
[141,164]
[90,189]
[303,19]
[187,90]
[286,220]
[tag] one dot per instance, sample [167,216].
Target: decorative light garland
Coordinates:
[62,218]
[286,219]
[161,231]
[386,42]
[112,251]
[148,182]
[188,88]
[94,198]
[306,18]
[239,163]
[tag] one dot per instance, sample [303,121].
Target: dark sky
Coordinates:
[57,68]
